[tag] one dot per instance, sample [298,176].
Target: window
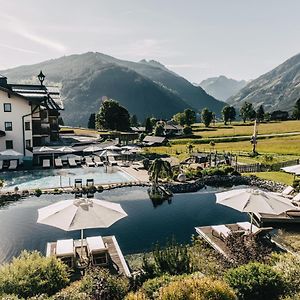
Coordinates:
[8,126]
[28,144]
[7,107]
[9,144]
[27,125]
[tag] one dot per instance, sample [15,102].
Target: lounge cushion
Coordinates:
[95,243]
[65,247]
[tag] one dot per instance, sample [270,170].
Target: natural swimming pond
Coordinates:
[55,178]
[144,226]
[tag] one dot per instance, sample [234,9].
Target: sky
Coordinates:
[241,39]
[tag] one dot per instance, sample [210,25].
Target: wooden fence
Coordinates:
[252,168]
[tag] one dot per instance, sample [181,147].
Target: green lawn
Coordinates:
[238,129]
[281,177]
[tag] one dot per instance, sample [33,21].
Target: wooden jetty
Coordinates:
[289,217]
[116,264]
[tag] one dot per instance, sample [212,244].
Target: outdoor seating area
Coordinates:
[97,251]
[216,235]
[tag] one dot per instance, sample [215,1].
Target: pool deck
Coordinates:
[117,263]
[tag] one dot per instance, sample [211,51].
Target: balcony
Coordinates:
[40,129]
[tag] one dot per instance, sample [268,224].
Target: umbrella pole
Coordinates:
[81,243]
[251,222]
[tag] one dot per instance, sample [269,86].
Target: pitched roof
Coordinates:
[154,139]
[46,96]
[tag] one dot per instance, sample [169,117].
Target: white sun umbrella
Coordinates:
[113,148]
[292,169]
[108,153]
[80,214]
[10,152]
[255,201]
[92,148]
[66,149]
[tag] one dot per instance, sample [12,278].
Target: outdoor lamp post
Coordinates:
[41,77]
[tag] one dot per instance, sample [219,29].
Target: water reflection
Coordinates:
[144,226]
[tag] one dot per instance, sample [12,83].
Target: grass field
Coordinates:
[240,129]
[274,176]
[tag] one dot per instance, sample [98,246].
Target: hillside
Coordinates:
[144,88]
[276,90]
[222,87]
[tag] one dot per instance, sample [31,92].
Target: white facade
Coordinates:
[21,132]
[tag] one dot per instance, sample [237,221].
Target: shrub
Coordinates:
[72,292]
[136,296]
[31,274]
[38,192]
[187,130]
[152,286]
[256,281]
[197,289]
[174,259]
[288,266]
[9,297]
[98,281]
[244,249]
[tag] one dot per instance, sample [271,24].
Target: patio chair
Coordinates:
[58,162]
[255,230]
[78,187]
[98,161]
[97,251]
[89,162]
[13,164]
[112,161]
[72,162]
[220,231]
[46,163]
[65,251]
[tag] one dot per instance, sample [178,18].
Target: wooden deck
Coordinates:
[217,243]
[117,263]
[292,217]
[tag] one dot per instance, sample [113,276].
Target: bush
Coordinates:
[288,265]
[174,259]
[38,192]
[98,281]
[152,286]
[256,281]
[197,289]
[72,292]
[187,130]
[136,296]
[31,274]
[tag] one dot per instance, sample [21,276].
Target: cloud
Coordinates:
[149,48]
[15,26]
[41,40]
[189,66]
[18,49]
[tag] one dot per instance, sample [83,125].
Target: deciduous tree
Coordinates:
[206,117]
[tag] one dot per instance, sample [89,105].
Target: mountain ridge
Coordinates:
[149,85]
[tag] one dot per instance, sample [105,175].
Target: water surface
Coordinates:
[144,226]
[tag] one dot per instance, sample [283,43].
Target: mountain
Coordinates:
[222,87]
[145,88]
[276,90]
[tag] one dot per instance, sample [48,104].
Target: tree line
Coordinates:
[113,116]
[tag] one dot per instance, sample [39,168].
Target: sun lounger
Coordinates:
[112,161]
[97,250]
[297,198]
[58,162]
[287,191]
[97,161]
[89,162]
[65,251]
[221,230]
[13,164]
[72,162]
[246,226]
[46,163]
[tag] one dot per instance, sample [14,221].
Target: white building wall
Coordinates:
[19,108]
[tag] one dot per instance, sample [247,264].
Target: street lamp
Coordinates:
[41,77]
